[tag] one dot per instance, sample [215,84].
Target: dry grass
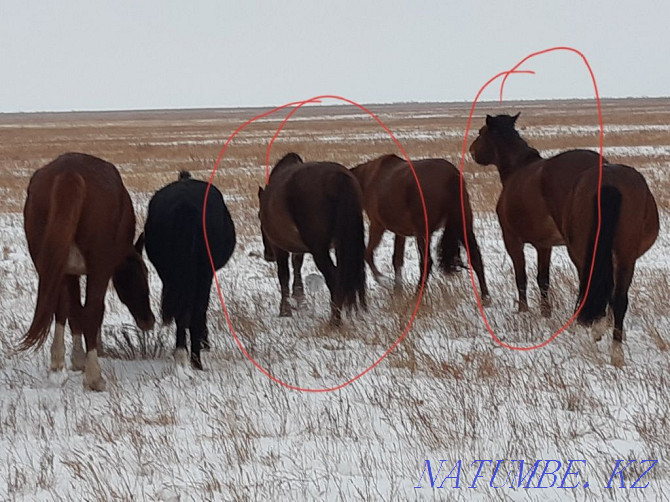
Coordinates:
[447,391]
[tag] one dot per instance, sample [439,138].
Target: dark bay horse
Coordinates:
[175,244]
[79,220]
[309,207]
[552,202]
[392,201]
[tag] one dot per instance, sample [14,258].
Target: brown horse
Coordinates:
[551,202]
[308,207]
[79,220]
[392,202]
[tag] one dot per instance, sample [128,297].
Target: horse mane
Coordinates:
[184,175]
[289,158]
[504,127]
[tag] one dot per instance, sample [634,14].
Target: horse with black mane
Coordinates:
[309,207]
[392,202]
[552,202]
[79,220]
[175,242]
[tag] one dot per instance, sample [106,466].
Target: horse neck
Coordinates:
[514,157]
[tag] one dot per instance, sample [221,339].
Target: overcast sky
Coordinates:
[99,55]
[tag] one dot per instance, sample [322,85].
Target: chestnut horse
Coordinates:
[79,220]
[175,243]
[392,202]
[309,207]
[552,202]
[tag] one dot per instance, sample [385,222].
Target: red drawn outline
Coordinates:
[505,75]
[296,106]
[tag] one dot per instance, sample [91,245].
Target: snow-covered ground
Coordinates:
[446,393]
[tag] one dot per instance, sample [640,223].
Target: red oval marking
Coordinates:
[505,75]
[296,106]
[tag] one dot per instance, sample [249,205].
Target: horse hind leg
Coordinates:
[327,268]
[283,274]
[78,355]
[180,351]
[198,325]
[398,259]
[423,247]
[624,277]
[543,266]
[58,344]
[298,287]
[92,315]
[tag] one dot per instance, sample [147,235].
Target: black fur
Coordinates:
[175,244]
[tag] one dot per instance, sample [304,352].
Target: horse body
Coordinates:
[311,207]
[176,246]
[549,202]
[392,202]
[79,219]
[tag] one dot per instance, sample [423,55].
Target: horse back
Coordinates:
[105,222]
[174,227]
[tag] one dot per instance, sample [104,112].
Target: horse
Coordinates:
[392,202]
[175,244]
[308,207]
[553,202]
[79,220]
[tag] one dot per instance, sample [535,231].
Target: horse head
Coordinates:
[485,149]
[132,285]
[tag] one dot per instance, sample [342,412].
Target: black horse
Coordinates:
[175,244]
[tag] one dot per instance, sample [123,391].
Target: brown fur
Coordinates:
[392,202]
[551,202]
[79,200]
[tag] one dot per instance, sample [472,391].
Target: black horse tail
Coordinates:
[180,283]
[602,279]
[349,243]
[66,204]
[453,237]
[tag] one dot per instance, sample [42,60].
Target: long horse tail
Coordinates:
[453,236]
[602,279]
[349,243]
[181,277]
[65,208]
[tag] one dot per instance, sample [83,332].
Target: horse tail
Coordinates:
[349,243]
[65,208]
[181,274]
[602,279]
[453,236]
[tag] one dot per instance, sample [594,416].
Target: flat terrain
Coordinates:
[446,392]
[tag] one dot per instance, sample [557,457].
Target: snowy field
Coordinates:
[447,394]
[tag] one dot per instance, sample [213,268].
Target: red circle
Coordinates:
[296,106]
[506,74]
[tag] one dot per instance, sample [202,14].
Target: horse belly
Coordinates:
[76,265]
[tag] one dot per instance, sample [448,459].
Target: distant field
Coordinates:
[447,392]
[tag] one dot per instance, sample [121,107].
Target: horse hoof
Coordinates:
[617,356]
[486,301]
[523,307]
[181,357]
[196,362]
[545,311]
[96,385]
[285,313]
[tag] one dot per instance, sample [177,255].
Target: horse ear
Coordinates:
[139,244]
[489,119]
[260,192]
[516,117]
